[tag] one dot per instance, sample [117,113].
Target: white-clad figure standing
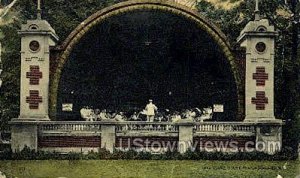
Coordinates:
[150,111]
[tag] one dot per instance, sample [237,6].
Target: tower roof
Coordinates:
[38,27]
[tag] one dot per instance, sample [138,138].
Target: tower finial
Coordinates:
[39,10]
[257,12]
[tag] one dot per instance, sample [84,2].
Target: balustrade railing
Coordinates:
[73,126]
[69,127]
[145,126]
[224,127]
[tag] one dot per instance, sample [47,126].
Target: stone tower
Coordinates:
[258,37]
[37,36]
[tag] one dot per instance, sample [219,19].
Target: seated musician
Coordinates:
[103,115]
[176,117]
[134,117]
[87,113]
[120,117]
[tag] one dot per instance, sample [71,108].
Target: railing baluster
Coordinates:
[224,127]
[216,127]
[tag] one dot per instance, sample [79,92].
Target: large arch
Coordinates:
[132,5]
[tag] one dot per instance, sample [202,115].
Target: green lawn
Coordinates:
[138,168]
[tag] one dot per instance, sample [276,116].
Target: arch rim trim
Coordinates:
[128,6]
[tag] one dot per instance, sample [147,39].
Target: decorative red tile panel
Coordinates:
[69,141]
[260,76]
[34,75]
[34,99]
[143,142]
[260,101]
[214,142]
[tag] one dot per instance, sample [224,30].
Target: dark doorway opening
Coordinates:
[130,58]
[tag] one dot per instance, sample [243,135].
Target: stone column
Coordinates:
[258,37]
[37,36]
[24,134]
[186,134]
[269,138]
[108,136]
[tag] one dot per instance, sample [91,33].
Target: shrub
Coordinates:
[28,154]
[144,155]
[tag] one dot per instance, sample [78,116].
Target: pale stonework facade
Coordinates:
[258,37]
[37,38]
